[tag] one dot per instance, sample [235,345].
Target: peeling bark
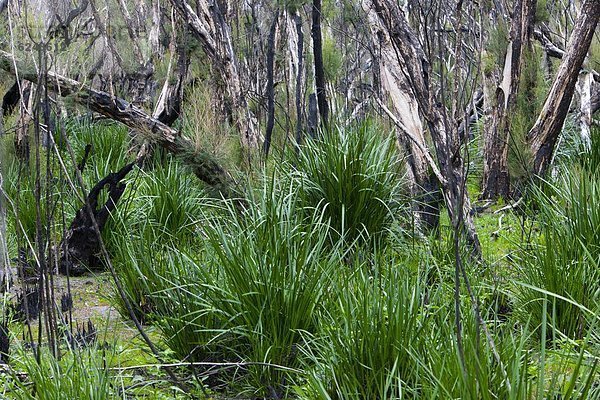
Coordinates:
[214,34]
[410,132]
[299,74]
[444,135]
[584,87]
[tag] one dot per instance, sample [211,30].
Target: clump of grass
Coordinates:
[352,177]
[523,372]
[139,261]
[371,328]
[78,375]
[565,267]
[258,291]
[173,198]
[109,152]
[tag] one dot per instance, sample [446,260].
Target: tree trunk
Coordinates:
[319,67]
[214,34]
[444,133]
[11,99]
[410,132]
[584,87]
[22,133]
[170,100]
[4,266]
[299,73]
[501,91]
[543,135]
[80,245]
[270,85]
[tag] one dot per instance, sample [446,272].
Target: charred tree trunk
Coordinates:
[543,135]
[81,245]
[319,68]
[270,85]
[313,115]
[10,100]
[299,73]
[501,88]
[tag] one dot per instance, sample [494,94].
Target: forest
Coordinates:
[299,199]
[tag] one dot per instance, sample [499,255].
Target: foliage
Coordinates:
[332,59]
[255,293]
[533,87]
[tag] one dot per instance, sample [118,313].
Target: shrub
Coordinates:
[259,290]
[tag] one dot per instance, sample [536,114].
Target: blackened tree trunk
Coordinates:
[11,99]
[543,135]
[319,68]
[270,85]
[81,245]
[299,72]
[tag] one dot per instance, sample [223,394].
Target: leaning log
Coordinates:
[203,164]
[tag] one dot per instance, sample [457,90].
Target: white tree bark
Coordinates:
[584,87]
[406,116]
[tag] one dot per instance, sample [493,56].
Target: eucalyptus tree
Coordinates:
[395,86]
[443,101]
[208,24]
[501,84]
[543,135]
